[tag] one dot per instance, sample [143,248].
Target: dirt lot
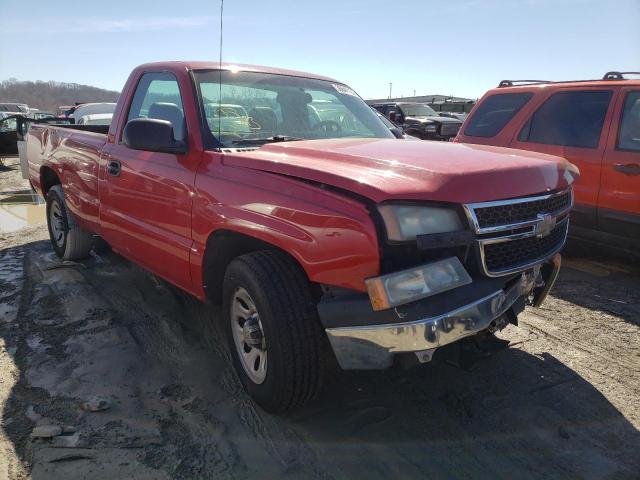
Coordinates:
[561,402]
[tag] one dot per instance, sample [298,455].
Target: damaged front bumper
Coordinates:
[372,345]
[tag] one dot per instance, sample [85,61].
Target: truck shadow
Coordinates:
[515,413]
[602,284]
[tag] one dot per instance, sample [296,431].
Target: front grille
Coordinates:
[512,254]
[509,213]
[449,129]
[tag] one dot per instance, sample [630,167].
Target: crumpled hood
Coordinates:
[390,169]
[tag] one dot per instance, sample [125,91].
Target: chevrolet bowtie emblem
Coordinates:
[545,224]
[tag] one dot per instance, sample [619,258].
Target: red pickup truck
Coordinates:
[283,197]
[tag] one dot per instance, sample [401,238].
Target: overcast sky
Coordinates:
[458,47]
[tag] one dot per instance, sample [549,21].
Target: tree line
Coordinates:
[48,96]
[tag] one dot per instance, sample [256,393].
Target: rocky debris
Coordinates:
[67,441]
[96,403]
[46,431]
[32,415]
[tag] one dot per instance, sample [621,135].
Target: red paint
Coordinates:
[163,207]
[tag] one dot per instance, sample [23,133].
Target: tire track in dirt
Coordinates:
[177,331]
[545,326]
[12,294]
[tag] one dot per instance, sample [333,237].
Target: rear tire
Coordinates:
[69,241]
[282,326]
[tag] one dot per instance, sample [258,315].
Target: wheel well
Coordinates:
[222,247]
[48,178]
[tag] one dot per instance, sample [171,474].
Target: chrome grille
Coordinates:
[522,211]
[507,255]
[449,129]
[513,235]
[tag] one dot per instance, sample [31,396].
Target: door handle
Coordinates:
[631,169]
[113,168]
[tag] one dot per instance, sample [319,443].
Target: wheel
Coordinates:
[69,241]
[273,330]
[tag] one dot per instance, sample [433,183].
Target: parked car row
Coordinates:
[420,120]
[13,125]
[283,197]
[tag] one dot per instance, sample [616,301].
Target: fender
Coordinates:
[320,229]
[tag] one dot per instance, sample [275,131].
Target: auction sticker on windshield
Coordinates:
[344,89]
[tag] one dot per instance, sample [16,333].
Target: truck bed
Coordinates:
[104,129]
[76,150]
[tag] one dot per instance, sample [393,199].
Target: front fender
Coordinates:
[330,235]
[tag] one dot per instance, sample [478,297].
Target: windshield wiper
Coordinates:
[261,141]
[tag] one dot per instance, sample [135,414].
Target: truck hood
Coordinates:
[390,169]
[434,118]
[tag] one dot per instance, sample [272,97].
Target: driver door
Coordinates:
[147,198]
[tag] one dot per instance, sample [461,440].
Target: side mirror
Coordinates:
[153,135]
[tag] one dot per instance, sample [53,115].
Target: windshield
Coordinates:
[417,110]
[14,107]
[251,107]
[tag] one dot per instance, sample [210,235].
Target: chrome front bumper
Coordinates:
[372,347]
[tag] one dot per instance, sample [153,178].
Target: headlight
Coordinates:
[413,284]
[430,127]
[405,222]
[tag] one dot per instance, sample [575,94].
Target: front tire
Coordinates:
[69,241]
[273,330]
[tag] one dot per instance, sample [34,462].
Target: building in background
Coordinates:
[440,103]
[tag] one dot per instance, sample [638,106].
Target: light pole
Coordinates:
[390,87]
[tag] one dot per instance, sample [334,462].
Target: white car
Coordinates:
[95,119]
[92,109]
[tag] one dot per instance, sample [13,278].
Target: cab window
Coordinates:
[629,133]
[569,119]
[158,96]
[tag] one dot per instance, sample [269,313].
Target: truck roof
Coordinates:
[201,65]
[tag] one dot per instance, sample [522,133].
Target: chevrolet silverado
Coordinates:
[318,236]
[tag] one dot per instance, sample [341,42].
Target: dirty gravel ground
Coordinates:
[560,402]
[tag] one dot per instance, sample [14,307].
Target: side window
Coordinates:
[158,96]
[570,119]
[629,134]
[494,113]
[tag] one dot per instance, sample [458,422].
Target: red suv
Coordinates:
[595,124]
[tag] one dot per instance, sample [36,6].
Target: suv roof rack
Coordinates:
[511,83]
[607,76]
[618,75]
